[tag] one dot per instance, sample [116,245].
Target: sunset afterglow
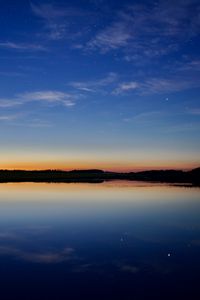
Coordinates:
[95,84]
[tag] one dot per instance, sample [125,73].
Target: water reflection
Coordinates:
[116,240]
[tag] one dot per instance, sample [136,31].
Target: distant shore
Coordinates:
[97,176]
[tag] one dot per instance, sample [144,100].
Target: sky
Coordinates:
[102,84]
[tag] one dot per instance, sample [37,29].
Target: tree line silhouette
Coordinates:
[95,175]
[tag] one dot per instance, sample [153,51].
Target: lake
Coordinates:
[114,240]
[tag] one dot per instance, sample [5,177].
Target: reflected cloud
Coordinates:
[129,268]
[196,242]
[48,257]
[83,268]
[19,234]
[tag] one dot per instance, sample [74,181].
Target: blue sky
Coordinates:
[111,84]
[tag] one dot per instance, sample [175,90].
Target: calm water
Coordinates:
[114,240]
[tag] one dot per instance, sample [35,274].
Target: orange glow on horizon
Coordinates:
[107,166]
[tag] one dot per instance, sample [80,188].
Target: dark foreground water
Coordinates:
[114,240]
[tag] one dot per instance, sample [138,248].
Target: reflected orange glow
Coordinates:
[114,191]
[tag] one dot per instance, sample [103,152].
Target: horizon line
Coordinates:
[97,169]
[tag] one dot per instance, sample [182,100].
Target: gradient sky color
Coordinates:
[107,84]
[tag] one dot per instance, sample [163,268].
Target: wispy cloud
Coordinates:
[48,11]
[48,97]
[114,37]
[181,77]
[140,31]
[51,17]
[192,65]
[56,19]
[168,85]
[149,30]
[158,85]
[31,122]
[8,118]
[54,97]
[184,127]
[24,120]
[145,118]
[113,85]
[95,85]
[10,102]
[22,46]
[126,87]
[38,123]
[148,115]
[194,111]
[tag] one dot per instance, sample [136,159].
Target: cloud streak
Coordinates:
[149,30]
[114,37]
[126,87]
[95,85]
[22,46]
[49,97]
[183,80]
[8,118]
[54,97]
[168,85]
[51,17]
[56,19]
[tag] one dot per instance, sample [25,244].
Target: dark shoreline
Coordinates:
[98,176]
